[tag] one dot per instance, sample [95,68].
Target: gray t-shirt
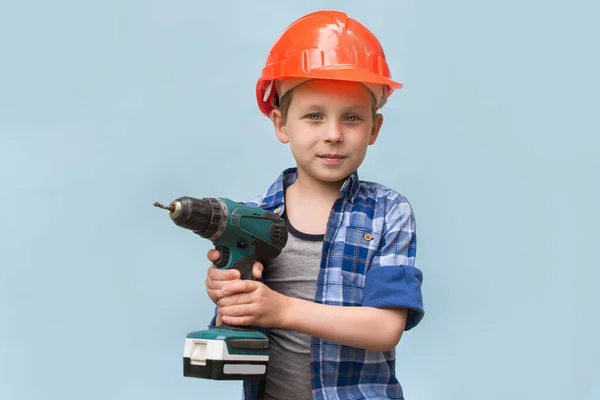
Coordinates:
[293,273]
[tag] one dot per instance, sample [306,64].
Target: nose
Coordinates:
[334,132]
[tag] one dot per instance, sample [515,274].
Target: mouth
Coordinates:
[330,158]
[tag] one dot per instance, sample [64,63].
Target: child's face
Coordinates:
[329,126]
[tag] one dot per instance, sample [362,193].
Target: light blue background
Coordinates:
[106,107]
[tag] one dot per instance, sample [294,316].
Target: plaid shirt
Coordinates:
[367,260]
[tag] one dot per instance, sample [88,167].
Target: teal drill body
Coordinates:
[242,234]
[249,234]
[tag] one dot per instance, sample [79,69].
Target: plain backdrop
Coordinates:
[108,106]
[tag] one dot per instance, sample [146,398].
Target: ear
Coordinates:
[375,129]
[279,125]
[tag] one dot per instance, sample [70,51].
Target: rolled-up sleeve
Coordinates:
[392,280]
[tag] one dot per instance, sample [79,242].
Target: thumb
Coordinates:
[257,270]
[213,255]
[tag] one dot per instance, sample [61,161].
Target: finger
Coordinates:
[216,278]
[215,294]
[244,286]
[237,321]
[213,255]
[219,274]
[236,299]
[257,270]
[238,310]
[219,285]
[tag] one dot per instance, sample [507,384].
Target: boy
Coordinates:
[339,297]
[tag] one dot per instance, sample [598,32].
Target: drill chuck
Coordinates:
[206,217]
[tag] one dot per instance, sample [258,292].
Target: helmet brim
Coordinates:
[351,74]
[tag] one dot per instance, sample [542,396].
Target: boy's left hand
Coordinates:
[250,302]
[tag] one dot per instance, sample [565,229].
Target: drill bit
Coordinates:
[159,205]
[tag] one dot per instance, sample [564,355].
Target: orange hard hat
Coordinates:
[324,45]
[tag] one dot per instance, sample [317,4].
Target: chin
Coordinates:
[331,176]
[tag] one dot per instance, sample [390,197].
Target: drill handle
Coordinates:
[244,264]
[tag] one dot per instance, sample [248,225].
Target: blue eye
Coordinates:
[352,118]
[313,116]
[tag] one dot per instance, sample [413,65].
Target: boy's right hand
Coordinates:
[217,278]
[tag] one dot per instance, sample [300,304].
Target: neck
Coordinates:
[313,189]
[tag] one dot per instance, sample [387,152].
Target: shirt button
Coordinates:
[368,236]
[277,210]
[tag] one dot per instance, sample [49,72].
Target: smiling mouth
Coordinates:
[331,156]
[331,159]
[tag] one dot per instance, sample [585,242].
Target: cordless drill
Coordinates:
[242,234]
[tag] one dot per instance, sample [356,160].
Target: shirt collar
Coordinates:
[350,187]
[274,197]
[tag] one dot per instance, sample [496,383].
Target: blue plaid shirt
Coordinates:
[367,260]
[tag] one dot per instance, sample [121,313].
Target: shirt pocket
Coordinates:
[360,246]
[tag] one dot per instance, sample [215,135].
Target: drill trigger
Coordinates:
[223,256]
